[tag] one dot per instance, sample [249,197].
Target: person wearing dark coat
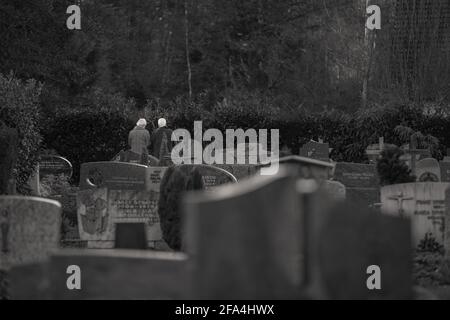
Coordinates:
[161,141]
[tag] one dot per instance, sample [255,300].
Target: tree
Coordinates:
[392,170]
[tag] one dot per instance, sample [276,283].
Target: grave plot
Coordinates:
[423,203]
[361,182]
[243,240]
[116,192]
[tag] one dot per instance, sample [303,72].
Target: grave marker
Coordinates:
[54,165]
[316,150]
[243,244]
[307,168]
[240,171]
[334,189]
[345,240]
[112,175]
[122,199]
[423,203]
[360,181]
[29,229]
[373,151]
[447,223]
[428,170]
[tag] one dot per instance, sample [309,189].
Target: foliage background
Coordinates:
[300,66]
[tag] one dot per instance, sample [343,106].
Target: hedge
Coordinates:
[97,134]
[87,135]
[19,109]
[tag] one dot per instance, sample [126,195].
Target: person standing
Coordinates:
[139,139]
[161,141]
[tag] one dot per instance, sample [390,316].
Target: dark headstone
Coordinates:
[130,236]
[360,180]
[315,150]
[112,175]
[240,171]
[351,241]
[54,165]
[344,240]
[243,240]
[356,175]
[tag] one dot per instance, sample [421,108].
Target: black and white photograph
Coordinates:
[222,156]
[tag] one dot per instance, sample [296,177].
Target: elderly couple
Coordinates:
[159,144]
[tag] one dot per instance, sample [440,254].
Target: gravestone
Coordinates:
[120,274]
[315,150]
[239,171]
[112,175]
[8,157]
[132,157]
[307,168]
[243,240]
[334,189]
[213,176]
[445,170]
[128,196]
[33,182]
[428,170]
[412,155]
[360,180]
[344,241]
[373,151]
[423,203]
[54,165]
[29,229]
[447,223]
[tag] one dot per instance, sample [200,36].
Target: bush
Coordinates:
[97,128]
[19,108]
[8,156]
[88,135]
[176,181]
[392,170]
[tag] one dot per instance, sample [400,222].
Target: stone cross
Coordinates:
[400,198]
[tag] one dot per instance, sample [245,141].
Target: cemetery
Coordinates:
[224,150]
[195,231]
